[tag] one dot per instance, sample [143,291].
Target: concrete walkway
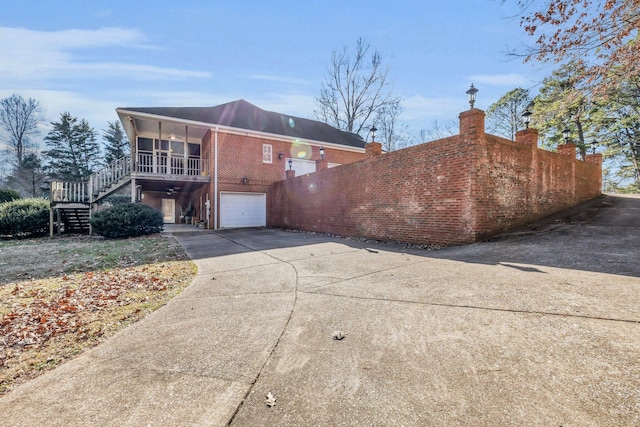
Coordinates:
[537,328]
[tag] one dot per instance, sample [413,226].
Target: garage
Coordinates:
[243,210]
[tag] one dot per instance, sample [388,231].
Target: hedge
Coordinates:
[24,218]
[8,195]
[127,220]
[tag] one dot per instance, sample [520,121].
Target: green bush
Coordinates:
[118,199]
[24,218]
[7,195]
[127,220]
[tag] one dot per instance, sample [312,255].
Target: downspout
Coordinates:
[215,180]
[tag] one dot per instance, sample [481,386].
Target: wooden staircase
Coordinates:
[71,203]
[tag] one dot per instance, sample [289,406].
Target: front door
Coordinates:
[169,211]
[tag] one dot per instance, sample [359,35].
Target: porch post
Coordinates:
[133,190]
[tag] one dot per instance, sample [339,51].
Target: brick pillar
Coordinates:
[321,164]
[527,137]
[290,174]
[472,124]
[372,149]
[594,158]
[568,149]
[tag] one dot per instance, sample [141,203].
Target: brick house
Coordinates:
[212,166]
[236,165]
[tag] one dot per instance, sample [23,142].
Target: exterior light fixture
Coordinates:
[321,153]
[290,164]
[472,95]
[280,155]
[373,133]
[245,180]
[565,134]
[527,118]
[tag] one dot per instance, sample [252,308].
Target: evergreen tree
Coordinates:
[116,144]
[73,152]
[617,126]
[563,103]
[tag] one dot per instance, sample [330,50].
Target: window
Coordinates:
[267,153]
[194,150]
[177,148]
[145,144]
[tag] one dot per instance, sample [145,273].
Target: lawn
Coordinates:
[62,296]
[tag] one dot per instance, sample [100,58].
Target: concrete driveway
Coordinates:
[539,328]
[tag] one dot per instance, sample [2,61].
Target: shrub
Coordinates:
[24,218]
[127,220]
[7,195]
[117,199]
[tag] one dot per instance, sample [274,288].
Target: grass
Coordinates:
[62,296]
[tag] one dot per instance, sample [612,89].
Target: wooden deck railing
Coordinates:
[109,175]
[105,178]
[170,165]
[69,192]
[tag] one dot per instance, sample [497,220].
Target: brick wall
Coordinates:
[451,191]
[240,156]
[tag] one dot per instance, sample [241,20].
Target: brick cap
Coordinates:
[527,136]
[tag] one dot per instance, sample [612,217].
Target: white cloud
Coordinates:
[96,111]
[509,80]
[30,55]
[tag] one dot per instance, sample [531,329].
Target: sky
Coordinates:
[90,57]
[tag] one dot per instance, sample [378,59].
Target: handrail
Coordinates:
[170,165]
[110,174]
[86,191]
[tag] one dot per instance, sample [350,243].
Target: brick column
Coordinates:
[594,158]
[527,137]
[568,149]
[372,149]
[321,164]
[290,174]
[472,124]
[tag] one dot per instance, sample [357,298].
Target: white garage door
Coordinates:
[243,210]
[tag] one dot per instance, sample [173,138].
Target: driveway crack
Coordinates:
[277,342]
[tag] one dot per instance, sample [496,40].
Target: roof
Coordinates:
[244,115]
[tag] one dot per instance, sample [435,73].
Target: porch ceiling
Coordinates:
[171,129]
[164,186]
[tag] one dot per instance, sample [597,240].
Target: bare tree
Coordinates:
[392,133]
[355,89]
[29,178]
[439,130]
[504,116]
[19,120]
